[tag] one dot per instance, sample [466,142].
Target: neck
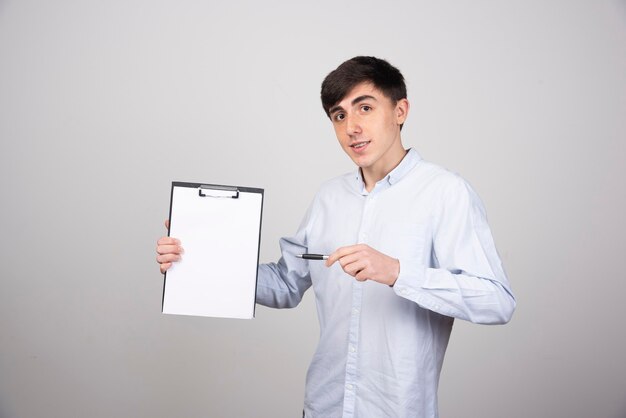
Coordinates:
[378,171]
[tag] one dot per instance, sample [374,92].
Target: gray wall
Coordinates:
[103,104]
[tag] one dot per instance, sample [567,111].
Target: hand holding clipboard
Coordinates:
[169,250]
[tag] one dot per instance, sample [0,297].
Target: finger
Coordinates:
[167,258]
[167,224]
[164,267]
[332,258]
[362,275]
[339,253]
[350,258]
[168,241]
[355,267]
[170,249]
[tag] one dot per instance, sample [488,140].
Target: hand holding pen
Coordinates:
[362,262]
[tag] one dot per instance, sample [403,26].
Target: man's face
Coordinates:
[367,125]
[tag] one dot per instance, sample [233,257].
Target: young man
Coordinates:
[410,250]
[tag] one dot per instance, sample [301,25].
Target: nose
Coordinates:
[352,125]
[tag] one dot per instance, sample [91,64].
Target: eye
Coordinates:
[339,117]
[366,108]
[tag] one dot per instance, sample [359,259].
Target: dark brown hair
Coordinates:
[384,76]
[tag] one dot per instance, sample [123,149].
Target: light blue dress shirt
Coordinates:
[381,348]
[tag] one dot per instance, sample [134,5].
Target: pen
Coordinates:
[312,256]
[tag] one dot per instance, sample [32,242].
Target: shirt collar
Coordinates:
[410,160]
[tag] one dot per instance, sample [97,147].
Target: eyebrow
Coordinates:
[355,101]
[363,98]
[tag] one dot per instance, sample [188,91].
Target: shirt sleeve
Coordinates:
[466,279]
[282,284]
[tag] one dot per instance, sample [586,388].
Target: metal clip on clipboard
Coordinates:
[207,190]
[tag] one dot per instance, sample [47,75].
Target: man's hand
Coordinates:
[168,250]
[365,263]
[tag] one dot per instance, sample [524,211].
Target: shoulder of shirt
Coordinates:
[437,174]
[449,185]
[335,184]
[327,192]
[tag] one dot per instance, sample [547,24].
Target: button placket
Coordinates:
[351,375]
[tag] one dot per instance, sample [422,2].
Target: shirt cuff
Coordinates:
[410,280]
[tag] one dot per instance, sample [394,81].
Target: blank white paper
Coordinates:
[218,270]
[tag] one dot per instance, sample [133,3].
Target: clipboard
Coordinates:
[220,231]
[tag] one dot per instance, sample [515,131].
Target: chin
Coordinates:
[361,163]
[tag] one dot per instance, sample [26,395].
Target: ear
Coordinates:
[402,110]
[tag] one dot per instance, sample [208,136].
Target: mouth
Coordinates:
[359,146]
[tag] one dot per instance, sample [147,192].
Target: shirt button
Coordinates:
[352,349]
[349,386]
[355,311]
